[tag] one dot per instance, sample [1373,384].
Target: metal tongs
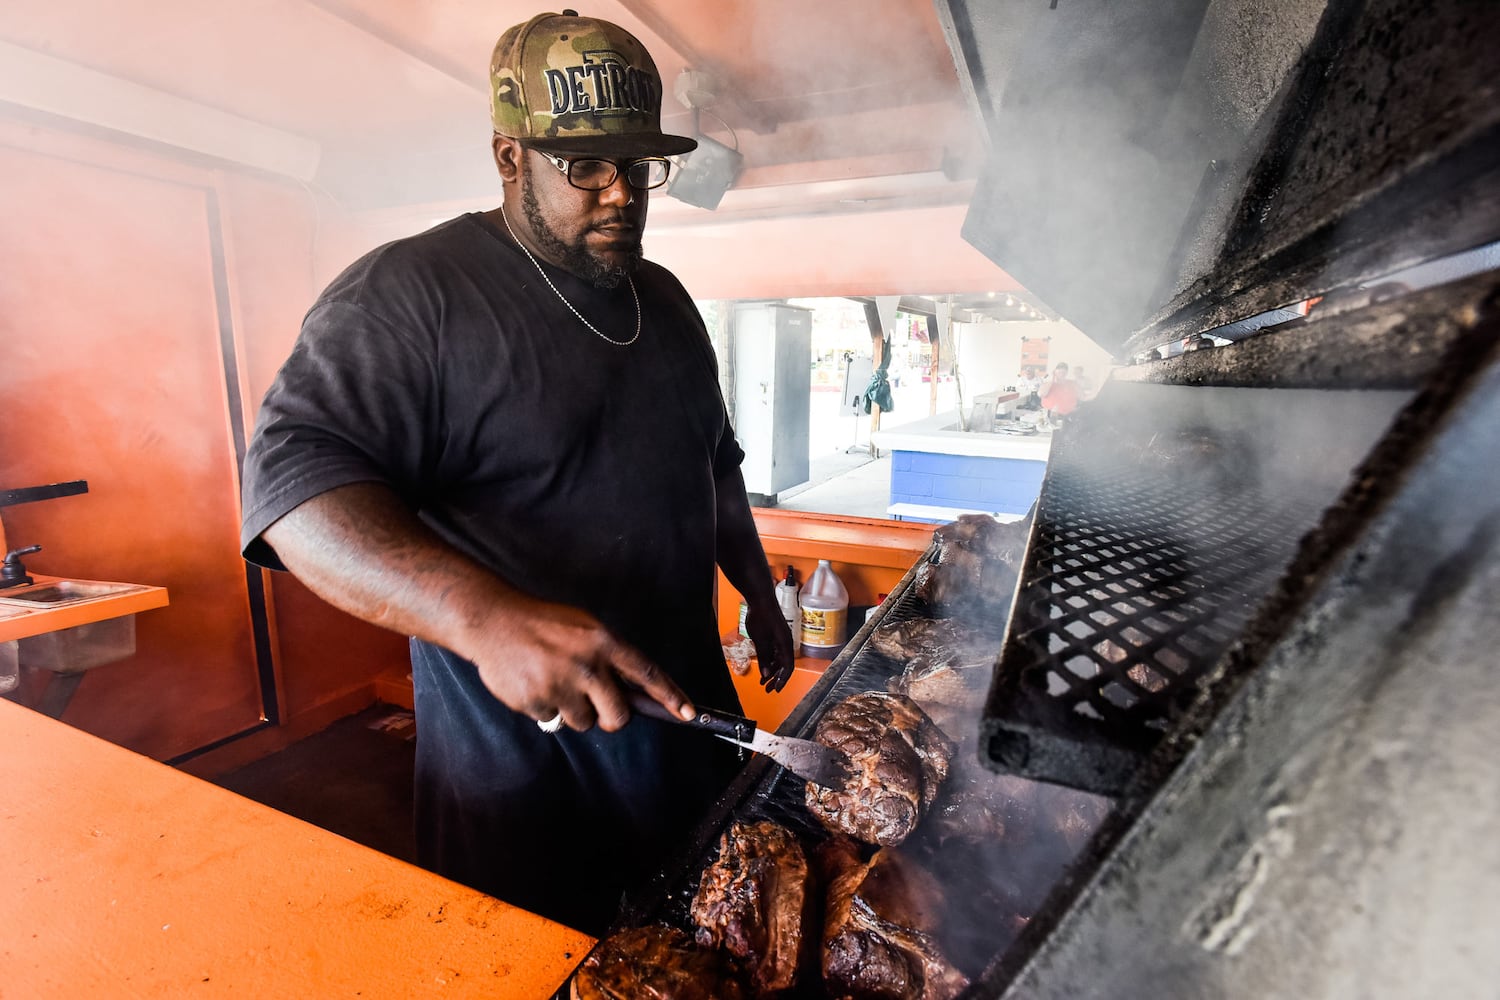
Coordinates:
[808,760]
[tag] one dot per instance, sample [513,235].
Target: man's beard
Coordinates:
[574,257]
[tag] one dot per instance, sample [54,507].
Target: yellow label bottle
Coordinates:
[825,613]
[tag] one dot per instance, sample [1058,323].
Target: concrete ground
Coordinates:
[844,476]
[858,485]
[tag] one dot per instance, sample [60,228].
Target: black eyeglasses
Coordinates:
[593,174]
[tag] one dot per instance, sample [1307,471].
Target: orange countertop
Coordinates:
[120,876]
[842,538]
[21,620]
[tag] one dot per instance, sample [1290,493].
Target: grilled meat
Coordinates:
[1198,460]
[973,806]
[879,933]
[1074,815]
[949,680]
[654,963]
[898,760]
[974,565]
[947,663]
[919,637]
[756,901]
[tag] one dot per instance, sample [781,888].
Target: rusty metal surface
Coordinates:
[1384,153]
[1386,345]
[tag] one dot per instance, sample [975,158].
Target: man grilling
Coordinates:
[504,437]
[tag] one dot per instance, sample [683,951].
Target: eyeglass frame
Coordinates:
[565,165]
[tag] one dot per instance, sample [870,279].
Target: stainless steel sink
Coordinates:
[62,592]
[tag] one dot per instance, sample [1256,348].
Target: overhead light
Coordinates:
[701,177]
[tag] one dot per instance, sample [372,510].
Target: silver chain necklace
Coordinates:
[592,328]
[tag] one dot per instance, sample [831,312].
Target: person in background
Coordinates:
[1027,387]
[504,438]
[1059,394]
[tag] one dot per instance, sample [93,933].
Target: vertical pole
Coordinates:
[882,321]
[723,338]
[934,341]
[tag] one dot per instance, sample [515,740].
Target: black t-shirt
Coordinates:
[579,470]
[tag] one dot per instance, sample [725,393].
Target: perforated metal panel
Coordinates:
[1156,534]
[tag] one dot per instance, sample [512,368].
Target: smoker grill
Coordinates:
[1258,604]
[764,791]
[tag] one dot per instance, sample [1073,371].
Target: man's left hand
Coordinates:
[773,645]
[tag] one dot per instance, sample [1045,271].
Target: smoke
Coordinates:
[1120,135]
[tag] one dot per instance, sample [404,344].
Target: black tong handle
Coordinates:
[719,723]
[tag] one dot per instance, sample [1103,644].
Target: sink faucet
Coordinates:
[12,573]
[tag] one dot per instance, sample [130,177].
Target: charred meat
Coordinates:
[973,566]
[1197,460]
[654,963]
[898,760]
[946,663]
[920,637]
[879,933]
[756,902]
[950,681]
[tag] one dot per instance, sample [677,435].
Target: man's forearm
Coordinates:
[743,560]
[739,551]
[360,549]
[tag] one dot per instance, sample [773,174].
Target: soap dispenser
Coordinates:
[13,573]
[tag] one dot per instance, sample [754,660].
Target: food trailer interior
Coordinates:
[1265,641]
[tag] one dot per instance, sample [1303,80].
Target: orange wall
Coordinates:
[275,234]
[112,370]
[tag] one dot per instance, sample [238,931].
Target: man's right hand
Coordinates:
[541,658]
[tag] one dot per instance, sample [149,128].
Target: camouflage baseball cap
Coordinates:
[570,84]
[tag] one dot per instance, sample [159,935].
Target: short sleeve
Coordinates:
[727,453]
[349,405]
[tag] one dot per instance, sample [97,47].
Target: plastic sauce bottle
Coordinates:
[825,613]
[786,597]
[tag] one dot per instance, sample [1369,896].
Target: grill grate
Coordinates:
[1147,557]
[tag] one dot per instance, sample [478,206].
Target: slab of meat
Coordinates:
[919,637]
[973,566]
[898,760]
[1201,460]
[973,807]
[944,680]
[882,916]
[654,963]
[756,902]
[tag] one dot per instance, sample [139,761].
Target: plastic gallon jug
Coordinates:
[825,613]
[791,610]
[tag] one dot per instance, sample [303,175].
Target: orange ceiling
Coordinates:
[839,108]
